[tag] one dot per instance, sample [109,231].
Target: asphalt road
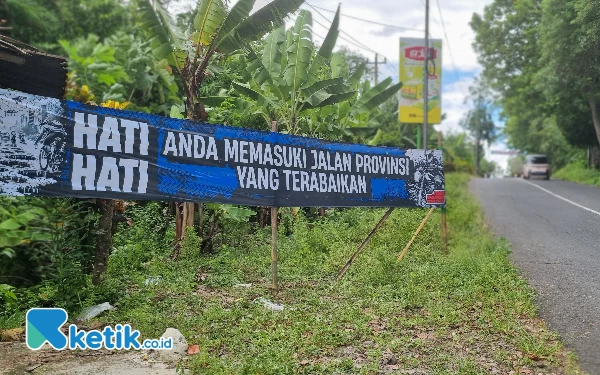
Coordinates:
[555,235]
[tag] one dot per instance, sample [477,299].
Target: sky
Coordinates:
[449,22]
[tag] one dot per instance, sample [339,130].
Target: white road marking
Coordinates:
[563,198]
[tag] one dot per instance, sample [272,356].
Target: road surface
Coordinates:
[554,227]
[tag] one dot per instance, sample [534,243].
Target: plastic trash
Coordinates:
[269,304]
[93,311]
[153,280]
[242,286]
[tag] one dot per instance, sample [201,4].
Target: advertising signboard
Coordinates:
[412,58]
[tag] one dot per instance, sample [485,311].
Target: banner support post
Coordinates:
[364,243]
[403,252]
[444,228]
[426,77]
[274,234]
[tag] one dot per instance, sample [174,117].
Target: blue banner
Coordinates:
[52,147]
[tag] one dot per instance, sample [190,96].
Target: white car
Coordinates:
[536,165]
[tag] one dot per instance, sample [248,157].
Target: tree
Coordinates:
[479,119]
[284,79]
[458,153]
[571,76]
[214,32]
[536,56]
[42,23]
[508,47]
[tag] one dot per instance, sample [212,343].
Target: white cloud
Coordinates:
[454,106]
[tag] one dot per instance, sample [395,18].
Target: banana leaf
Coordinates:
[166,39]
[299,53]
[237,14]
[208,19]
[378,99]
[262,21]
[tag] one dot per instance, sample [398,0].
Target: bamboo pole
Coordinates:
[274,234]
[364,243]
[415,235]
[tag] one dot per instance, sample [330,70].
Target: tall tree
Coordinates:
[571,75]
[479,120]
[508,48]
[540,116]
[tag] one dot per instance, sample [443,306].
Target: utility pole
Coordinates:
[426,77]
[376,63]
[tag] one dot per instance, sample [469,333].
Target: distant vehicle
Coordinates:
[536,165]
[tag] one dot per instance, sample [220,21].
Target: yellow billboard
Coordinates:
[412,59]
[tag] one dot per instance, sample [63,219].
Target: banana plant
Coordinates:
[291,77]
[214,31]
[285,79]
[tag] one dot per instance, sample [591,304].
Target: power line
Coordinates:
[347,40]
[356,42]
[394,74]
[364,20]
[434,20]
[449,48]
[353,42]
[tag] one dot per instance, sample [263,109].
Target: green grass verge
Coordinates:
[578,172]
[467,313]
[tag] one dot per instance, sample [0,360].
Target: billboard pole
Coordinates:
[426,77]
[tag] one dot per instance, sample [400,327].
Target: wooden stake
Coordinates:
[364,243]
[274,234]
[444,232]
[444,228]
[274,255]
[178,222]
[415,235]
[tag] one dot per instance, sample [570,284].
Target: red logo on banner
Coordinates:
[418,53]
[438,197]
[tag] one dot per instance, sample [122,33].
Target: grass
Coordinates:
[578,172]
[467,313]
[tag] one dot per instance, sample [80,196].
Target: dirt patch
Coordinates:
[16,358]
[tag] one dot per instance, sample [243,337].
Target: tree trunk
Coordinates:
[200,219]
[104,239]
[178,222]
[261,217]
[478,148]
[195,111]
[188,216]
[595,118]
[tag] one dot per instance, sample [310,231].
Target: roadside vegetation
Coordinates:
[579,172]
[540,62]
[468,312]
